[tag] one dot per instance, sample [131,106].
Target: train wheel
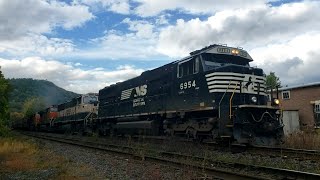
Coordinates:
[191,133]
[112,133]
[169,132]
[215,134]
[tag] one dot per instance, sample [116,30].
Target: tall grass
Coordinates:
[11,145]
[16,154]
[21,155]
[303,140]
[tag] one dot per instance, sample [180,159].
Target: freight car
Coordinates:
[213,93]
[30,122]
[72,116]
[47,117]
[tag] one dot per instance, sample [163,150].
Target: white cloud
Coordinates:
[243,27]
[116,6]
[116,45]
[178,40]
[283,39]
[23,25]
[66,76]
[295,62]
[162,19]
[301,46]
[78,64]
[36,44]
[120,6]
[39,16]
[139,43]
[155,7]
[142,29]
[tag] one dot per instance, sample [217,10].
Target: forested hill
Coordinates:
[26,89]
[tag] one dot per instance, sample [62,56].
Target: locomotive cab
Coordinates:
[90,99]
[232,73]
[219,93]
[75,114]
[216,61]
[239,93]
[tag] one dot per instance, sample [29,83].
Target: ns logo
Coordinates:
[141,90]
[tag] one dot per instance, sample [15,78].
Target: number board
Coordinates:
[187,85]
[228,51]
[243,53]
[223,50]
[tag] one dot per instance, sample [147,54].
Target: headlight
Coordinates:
[276,101]
[235,51]
[254,99]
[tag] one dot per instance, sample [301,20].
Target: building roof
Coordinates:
[300,86]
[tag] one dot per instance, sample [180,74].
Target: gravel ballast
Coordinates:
[104,165]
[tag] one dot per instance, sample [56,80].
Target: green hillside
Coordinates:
[24,89]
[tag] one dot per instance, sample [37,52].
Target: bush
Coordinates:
[4,131]
[4,102]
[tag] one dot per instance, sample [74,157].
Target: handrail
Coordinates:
[223,97]
[230,100]
[85,119]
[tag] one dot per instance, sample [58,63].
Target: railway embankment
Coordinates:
[58,156]
[143,158]
[23,157]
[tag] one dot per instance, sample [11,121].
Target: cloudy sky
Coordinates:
[85,45]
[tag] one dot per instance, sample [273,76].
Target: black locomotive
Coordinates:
[213,93]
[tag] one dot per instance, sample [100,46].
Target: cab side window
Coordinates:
[188,67]
[79,100]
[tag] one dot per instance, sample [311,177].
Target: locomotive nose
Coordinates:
[268,126]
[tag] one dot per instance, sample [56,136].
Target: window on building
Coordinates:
[317,108]
[317,114]
[188,67]
[286,95]
[269,97]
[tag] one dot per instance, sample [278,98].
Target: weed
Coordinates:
[303,140]
[24,156]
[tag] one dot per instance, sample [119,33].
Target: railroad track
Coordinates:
[303,154]
[207,166]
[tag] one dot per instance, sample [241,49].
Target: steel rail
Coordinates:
[305,154]
[221,174]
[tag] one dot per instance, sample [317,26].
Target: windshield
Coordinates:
[212,61]
[53,109]
[90,99]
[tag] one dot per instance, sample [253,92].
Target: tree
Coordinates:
[16,117]
[24,89]
[33,105]
[273,81]
[4,104]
